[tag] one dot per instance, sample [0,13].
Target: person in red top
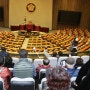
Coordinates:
[5,74]
[45,65]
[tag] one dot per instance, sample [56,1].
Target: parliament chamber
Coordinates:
[55,40]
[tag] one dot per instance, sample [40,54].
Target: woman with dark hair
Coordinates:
[3,52]
[54,54]
[58,79]
[45,65]
[8,62]
[7,58]
[5,73]
[79,62]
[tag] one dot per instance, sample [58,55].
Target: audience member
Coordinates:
[5,74]
[8,62]
[54,54]
[60,53]
[69,65]
[7,58]
[58,79]
[82,81]
[24,68]
[44,66]
[3,52]
[78,65]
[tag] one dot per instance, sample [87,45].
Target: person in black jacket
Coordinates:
[7,58]
[74,46]
[82,81]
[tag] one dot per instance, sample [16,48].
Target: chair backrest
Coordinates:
[22,83]
[38,61]
[75,57]
[42,74]
[21,27]
[53,61]
[11,70]
[29,59]
[15,60]
[42,85]
[1,84]
[85,58]
[62,58]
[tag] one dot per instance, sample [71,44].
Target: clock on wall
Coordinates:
[31,7]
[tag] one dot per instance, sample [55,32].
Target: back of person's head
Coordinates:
[58,79]
[46,62]
[1,60]
[23,53]
[79,62]
[70,62]
[8,61]
[54,54]
[60,53]
[3,48]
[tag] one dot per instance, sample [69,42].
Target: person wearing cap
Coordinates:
[69,65]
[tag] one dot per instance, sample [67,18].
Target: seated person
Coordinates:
[78,65]
[54,54]
[69,65]
[79,62]
[7,58]
[5,74]
[44,66]
[58,79]
[3,52]
[24,68]
[8,62]
[80,82]
[60,53]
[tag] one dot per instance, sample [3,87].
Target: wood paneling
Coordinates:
[5,5]
[72,5]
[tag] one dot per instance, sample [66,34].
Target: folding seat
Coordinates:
[29,59]
[22,83]
[42,84]
[61,60]
[53,61]
[15,60]
[85,58]
[42,74]
[38,61]
[75,57]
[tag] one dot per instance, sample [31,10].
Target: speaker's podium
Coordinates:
[22,32]
[35,33]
